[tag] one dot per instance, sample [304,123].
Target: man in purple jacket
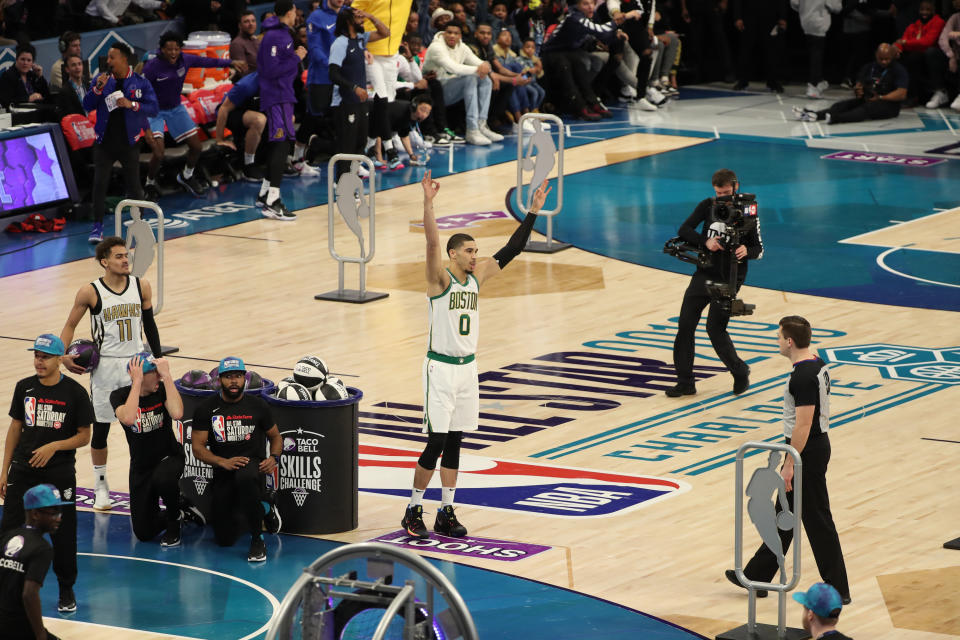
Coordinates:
[277,64]
[123,101]
[166,74]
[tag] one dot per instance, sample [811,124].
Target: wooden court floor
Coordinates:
[894,459]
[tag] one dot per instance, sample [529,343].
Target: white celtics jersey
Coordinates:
[115,323]
[455,319]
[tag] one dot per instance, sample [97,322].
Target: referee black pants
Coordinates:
[236,496]
[695,299]
[147,487]
[64,538]
[103,159]
[817,523]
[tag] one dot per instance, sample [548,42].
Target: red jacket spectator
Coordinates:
[921,35]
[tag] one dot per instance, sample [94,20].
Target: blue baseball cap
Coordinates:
[41,496]
[48,343]
[231,363]
[147,364]
[822,599]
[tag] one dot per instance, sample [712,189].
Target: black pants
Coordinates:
[103,159]
[352,125]
[754,34]
[571,79]
[147,488]
[817,522]
[237,493]
[816,45]
[858,110]
[695,299]
[937,69]
[64,539]
[706,23]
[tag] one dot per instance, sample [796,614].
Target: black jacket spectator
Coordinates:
[14,90]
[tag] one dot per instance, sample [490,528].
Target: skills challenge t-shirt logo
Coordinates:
[566,492]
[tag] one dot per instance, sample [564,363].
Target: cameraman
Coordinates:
[696,297]
[881,88]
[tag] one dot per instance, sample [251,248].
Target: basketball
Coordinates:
[85,354]
[196,379]
[254,380]
[310,371]
[332,389]
[293,391]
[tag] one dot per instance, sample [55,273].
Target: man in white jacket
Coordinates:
[465,77]
[815,22]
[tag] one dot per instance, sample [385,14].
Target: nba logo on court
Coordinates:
[219,430]
[567,492]
[29,411]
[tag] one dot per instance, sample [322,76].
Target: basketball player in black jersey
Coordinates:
[117,327]
[806,420]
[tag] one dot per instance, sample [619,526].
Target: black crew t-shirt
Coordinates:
[235,428]
[48,414]
[151,437]
[24,555]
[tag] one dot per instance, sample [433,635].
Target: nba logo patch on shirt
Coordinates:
[219,430]
[29,411]
[506,485]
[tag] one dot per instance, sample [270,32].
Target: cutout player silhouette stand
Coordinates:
[541,162]
[141,241]
[351,202]
[763,513]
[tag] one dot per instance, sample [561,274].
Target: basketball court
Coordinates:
[575,353]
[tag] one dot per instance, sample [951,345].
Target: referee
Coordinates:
[806,420]
[50,416]
[236,427]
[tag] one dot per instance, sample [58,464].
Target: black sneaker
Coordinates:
[261,201]
[454,137]
[271,521]
[732,577]
[171,537]
[741,383]
[680,390]
[252,173]
[278,211]
[193,184]
[289,171]
[189,512]
[258,550]
[447,524]
[412,522]
[67,602]
[151,192]
[846,599]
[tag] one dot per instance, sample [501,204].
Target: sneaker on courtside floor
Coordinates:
[171,537]
[96,233]
[447,524]
[271,521]
[278,211]
[412,522]
[101,498]
[67,603]
[258,550]
[193,184]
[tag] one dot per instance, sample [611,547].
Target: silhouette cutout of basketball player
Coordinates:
[546,151]
[763,513]
[352,203]
[141,239]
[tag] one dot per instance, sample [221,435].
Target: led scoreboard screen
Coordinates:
[35,170]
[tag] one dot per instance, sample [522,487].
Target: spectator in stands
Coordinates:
[239,112]
[531,63]
[69,45]
[637,52]
[504,80]
[917,39]
[118,130]
[434,129]
[815,21]
[705,19]
[464,77]
[527,95]
[664,72]
[564,58]
[277,66]
[500,21]
[321,24]
[438,22]
[166,74]
[244,45]
[405,119]
[760,22]
[880,90]
[942,62]
[104,14]
[23,81]
[413,25]
[73,87]
[531,22]
[467,26]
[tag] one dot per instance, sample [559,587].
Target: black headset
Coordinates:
[66,39]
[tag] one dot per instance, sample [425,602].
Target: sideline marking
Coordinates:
[67,622]
[274,603]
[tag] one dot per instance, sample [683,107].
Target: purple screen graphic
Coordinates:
[30,172]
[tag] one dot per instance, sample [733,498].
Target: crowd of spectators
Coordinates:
[451,71]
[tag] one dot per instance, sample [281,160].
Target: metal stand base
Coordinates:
[952,544]
[545,247]
[350,295]
[762,632]
[165,350]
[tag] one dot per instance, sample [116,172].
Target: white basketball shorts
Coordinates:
[451,396]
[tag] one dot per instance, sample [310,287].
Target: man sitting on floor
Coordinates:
[881,88]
